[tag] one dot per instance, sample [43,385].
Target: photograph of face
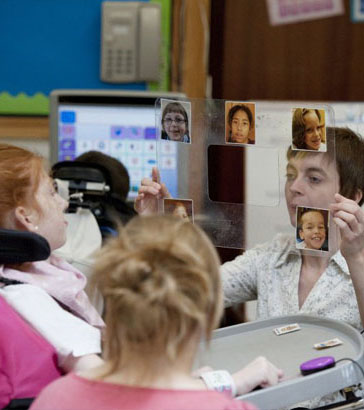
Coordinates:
[176,119]
[182,208]
[312,229]
[239,122]
[308,129]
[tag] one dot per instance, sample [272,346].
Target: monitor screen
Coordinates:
[119,124]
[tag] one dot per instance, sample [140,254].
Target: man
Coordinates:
[287,281]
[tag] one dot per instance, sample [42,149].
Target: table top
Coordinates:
[234,347]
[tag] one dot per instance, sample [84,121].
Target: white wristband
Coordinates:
[219,380]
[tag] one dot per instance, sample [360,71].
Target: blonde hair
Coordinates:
[160,280]
[20,174]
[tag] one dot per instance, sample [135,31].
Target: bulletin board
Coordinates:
[257,170]
[46,45]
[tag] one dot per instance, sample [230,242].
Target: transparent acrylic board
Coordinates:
[262,212]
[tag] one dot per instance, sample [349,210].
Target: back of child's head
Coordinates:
[119,177]
[21,172]
[160,280]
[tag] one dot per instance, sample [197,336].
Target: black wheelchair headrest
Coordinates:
[90,181]
[90,186]
[79,172]
[22,246]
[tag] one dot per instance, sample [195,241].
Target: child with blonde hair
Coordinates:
[162,296]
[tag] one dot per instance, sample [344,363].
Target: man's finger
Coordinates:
[155,175]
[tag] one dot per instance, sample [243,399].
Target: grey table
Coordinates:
[233,347]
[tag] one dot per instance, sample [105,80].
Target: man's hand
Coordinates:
[150,191]
[349,217]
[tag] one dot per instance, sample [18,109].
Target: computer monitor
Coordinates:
[121,124]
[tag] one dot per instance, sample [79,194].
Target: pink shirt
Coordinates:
[75,392]
[27,361]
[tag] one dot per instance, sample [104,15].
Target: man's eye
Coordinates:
[290,177]
[314,180]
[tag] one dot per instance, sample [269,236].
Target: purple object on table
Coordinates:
[315,365]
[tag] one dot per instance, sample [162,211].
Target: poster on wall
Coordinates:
[357,11]
[294,11]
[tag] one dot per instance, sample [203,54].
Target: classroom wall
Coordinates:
[46,45]
[311,60]
[50,44]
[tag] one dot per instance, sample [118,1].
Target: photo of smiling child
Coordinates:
[182,208]
[312,229]
[239,122]
[308,129]
[176,121]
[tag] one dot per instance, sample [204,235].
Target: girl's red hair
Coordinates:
[20,174]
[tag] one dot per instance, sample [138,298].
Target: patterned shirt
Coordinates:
[270,273]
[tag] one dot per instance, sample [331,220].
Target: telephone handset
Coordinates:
[131,40]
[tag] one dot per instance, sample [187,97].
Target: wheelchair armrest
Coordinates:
[22,246]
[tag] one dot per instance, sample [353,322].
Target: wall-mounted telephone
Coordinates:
[131,41]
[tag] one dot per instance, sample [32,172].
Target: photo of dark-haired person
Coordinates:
[182,208]
[312,229]
[176,120]
[239,122]
[308,129]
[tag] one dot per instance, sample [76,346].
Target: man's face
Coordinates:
[311,182]
[313,230]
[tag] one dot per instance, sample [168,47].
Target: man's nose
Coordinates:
[297,186]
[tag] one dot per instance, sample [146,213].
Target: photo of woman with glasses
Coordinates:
[175,123]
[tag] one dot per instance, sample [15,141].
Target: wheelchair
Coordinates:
[88,186]
[19,247]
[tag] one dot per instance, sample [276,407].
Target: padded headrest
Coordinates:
[80,171]
[22,246]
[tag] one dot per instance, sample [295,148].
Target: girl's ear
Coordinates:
[358,195]
[25,219]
